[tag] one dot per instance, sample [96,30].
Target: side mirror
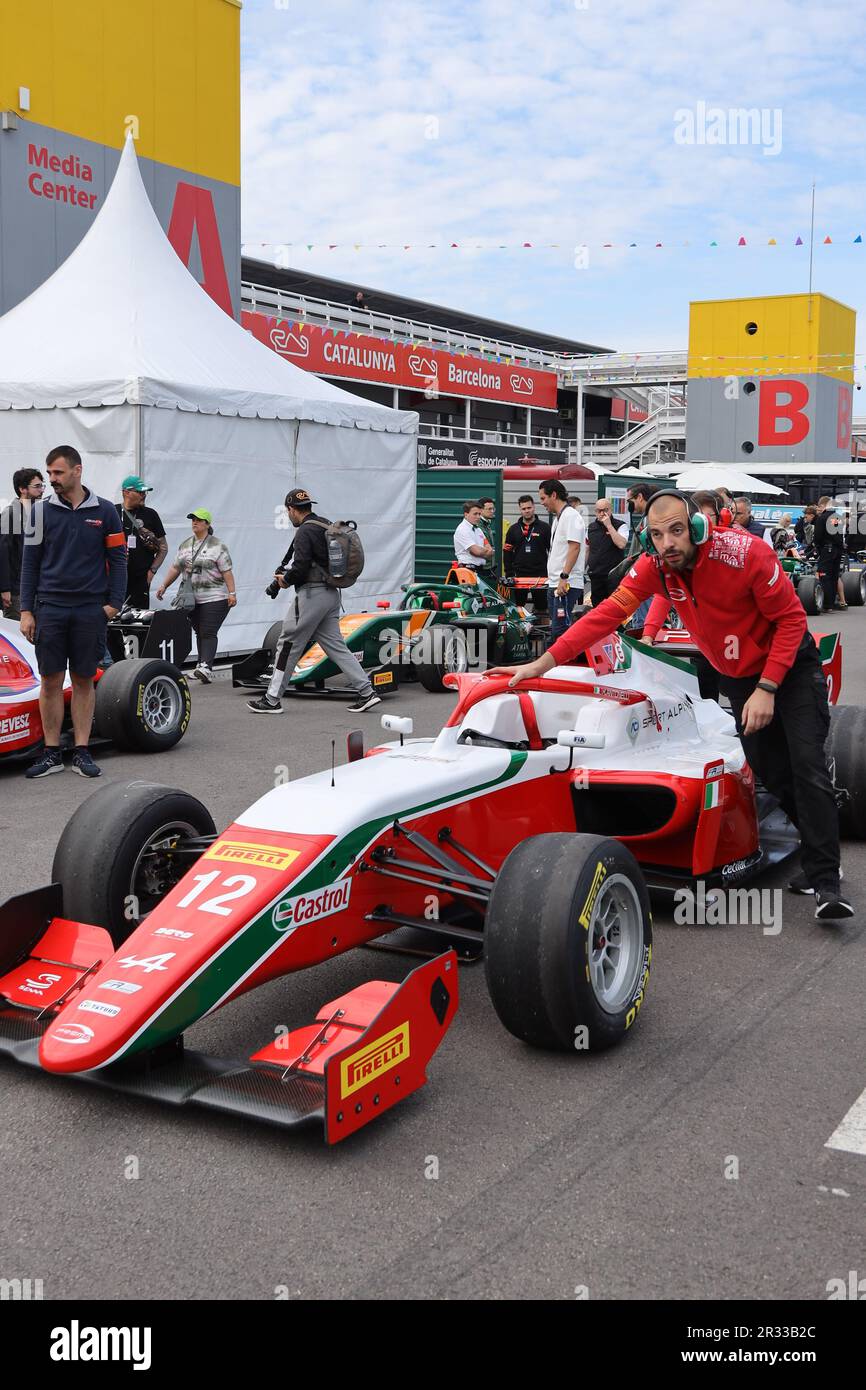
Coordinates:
[355,745]
[383,603]
[567,738]
[397,724]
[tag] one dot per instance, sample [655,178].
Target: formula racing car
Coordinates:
[531,828]
[440,629]
[142,703]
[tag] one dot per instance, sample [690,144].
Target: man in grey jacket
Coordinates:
[314,614]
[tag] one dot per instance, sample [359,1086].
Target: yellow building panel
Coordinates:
[89,64]
[796,333]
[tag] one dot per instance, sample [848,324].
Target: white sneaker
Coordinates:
[203,673]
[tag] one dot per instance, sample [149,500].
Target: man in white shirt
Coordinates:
[472,550]
[565,559]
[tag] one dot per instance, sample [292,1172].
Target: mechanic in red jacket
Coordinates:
[744,615]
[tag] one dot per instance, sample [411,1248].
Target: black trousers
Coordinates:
[206,620]
[829,564]
[788,757]
[538,596]
[138,593]
[601,586]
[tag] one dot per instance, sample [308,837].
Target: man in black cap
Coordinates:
[314,615]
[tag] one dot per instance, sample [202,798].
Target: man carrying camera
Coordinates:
[314,614]
[146,545]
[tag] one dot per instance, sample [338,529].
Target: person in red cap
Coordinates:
[744,615]
[314,614]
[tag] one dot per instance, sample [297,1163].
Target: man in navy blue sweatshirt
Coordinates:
[73,579]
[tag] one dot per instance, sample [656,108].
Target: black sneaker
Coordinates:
[831,905]
[49,761]
[365,702]
[83,764]
[265,705]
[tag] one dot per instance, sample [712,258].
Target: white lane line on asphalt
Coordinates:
[850,1136]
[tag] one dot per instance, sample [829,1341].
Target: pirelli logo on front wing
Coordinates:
[374,1060]
[247,852]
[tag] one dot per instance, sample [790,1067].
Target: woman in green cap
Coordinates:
[206,566]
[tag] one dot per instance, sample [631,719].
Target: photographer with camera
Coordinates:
[314,614]
[146,545]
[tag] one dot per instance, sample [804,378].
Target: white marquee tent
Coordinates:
[122,354]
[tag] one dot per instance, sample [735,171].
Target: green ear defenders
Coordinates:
[700,526]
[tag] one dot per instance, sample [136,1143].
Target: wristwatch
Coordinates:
[564,576]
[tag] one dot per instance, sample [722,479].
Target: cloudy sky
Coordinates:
[567,122]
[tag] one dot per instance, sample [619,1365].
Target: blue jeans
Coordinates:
[562,611]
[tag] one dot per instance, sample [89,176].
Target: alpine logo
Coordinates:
[311,907]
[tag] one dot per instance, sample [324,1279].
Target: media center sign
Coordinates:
[461,453]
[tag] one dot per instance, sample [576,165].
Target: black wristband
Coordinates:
[765,685]
[564,576]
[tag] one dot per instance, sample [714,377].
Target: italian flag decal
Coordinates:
[711,795]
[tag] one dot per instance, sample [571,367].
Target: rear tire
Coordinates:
[143,705]
[854,587]
[810,592]
[846,747]
[568,941]
[106,856]
[447,651]
[272,637]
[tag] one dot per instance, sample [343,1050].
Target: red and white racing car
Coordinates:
[141,704]
[532,826]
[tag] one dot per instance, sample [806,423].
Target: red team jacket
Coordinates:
[736,601]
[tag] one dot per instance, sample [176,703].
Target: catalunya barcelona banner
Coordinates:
[416,367]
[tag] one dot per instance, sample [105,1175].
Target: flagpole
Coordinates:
[811,249]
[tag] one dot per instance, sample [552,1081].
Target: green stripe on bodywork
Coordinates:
[251,945]
[682,663]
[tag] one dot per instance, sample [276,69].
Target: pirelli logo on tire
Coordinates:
[597,880]
[374,1060]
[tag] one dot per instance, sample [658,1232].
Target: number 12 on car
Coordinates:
[240,885]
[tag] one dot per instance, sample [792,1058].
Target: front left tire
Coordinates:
[122,851]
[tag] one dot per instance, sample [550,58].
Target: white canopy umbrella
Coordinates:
[713,475]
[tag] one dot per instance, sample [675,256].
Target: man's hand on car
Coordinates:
[530,671]
[109,611]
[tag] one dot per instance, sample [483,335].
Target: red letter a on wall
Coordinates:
[193,208]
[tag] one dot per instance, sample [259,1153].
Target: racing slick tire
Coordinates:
[272,637]
[568,941]
[114,860]
[446,650]
[854,588]
[143,705]
[846,754]
[810,592]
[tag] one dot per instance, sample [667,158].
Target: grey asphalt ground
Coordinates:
[554,1172]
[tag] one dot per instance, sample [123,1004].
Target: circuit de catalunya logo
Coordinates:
[310,907]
